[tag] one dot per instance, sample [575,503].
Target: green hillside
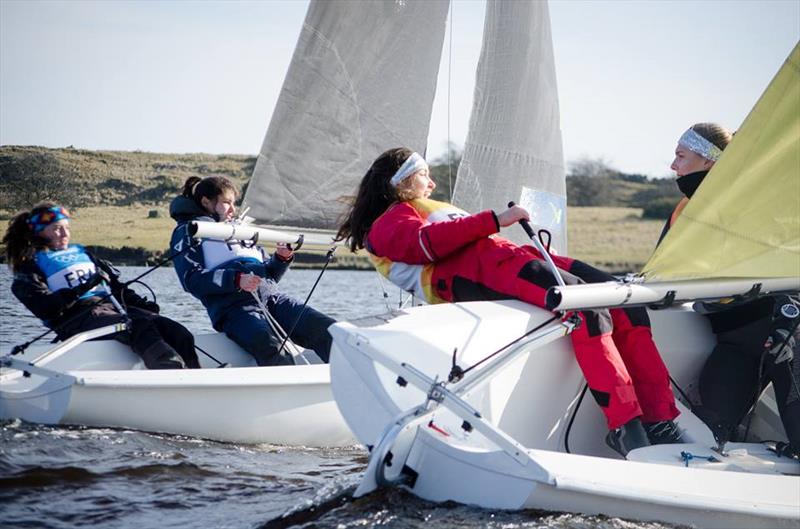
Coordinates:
[81,178]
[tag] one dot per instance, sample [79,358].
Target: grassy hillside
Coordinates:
[120,200]
[81,178]
[615,239]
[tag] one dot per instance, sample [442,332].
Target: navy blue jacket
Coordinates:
[216,288]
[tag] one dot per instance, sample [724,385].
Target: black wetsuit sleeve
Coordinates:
[121,292]
[30,288]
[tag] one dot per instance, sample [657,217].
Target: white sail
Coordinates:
[362,80]
[513,150]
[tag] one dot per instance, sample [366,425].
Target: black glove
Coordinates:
[150,306]
[92,282]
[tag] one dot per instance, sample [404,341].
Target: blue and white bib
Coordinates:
[68,268]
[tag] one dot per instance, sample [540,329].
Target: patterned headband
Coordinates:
[414,163]
[41,220]
[698,144]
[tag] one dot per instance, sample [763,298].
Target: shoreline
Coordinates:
[128,256]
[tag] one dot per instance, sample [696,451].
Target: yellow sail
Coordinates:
[744,220]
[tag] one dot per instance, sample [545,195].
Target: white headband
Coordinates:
[414,163]
[698,144]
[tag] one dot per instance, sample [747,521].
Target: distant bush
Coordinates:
[589,191]
[444,175]
[591,168]
[659,208]
[632,177]
[658,200]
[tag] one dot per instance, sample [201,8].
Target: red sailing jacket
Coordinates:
[424,245]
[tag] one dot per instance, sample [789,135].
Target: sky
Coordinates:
[204,76]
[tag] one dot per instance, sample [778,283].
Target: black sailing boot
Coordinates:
[722,429]
[161,356]
[663,432]
[627,437]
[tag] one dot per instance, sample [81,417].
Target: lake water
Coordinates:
[62,477]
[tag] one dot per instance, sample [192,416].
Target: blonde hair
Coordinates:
[715,133]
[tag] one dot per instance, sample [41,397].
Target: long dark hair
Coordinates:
[375,195]
[209,187]
[20,241]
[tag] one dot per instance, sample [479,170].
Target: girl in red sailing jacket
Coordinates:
[442,253]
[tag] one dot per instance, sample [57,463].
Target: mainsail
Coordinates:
[744,221]
[362,80]
[513,149]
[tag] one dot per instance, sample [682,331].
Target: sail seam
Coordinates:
[516,154]
[737,234]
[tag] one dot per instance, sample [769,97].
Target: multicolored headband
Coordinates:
[414,163]
[41,220]
[698,144]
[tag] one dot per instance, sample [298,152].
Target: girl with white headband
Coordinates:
[444,254]
[697,151]
[753,337]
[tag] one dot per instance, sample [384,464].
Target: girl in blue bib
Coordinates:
[68,289]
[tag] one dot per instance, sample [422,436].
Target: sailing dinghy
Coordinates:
[104,383]
[483,403]
[340,105]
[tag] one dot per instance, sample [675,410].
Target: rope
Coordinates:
[328,259]
[219,364]
[381,280]
[688,456]
[683,394]
[277,329]
[572,418]
[449,78]
[509,344]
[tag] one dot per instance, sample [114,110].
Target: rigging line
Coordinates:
[275,326]
[572,417]
[219,364]
[328,259]
[381,284]
[403,302]
[683,394]
[449,79]
[509,344]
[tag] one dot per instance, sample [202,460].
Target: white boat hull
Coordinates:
[103,383]
[531,401]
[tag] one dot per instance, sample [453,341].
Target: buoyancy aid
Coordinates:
[68,268]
